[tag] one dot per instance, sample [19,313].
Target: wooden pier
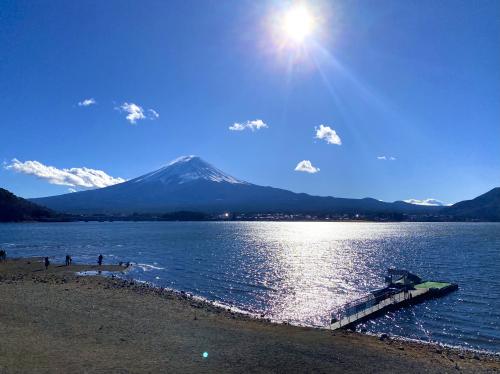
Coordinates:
[386,299]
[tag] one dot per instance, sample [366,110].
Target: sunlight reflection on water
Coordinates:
[299,272]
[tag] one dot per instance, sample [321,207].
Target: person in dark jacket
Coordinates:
[46,263]
[68,260]
[99,260]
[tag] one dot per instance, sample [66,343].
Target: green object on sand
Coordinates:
[437,285]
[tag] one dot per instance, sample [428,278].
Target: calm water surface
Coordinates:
[299,272]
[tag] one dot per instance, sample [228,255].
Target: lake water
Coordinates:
[299,272]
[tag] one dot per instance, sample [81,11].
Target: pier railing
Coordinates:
[358,308]
[368,306]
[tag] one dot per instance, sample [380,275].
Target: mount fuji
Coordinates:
[191,184]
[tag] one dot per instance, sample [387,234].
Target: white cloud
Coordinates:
[328,134]
[237,127]
[256,124]
[87,102]
[136,112]
[71,190]
[306,166]
[386,158]
[153,114]
[74,177]
[427,202]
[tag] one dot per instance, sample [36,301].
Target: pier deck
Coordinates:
[366,308]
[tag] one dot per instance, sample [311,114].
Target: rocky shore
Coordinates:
[55,321]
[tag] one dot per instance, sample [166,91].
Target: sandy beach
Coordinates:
[53,321]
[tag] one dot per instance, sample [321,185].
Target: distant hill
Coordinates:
[485,207]
[191,184]
[15,209]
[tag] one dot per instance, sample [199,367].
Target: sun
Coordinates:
[298,23]
[295,31]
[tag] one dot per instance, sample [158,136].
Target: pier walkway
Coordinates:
[364,313]
[403,288]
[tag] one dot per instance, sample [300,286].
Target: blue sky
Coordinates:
[415,81]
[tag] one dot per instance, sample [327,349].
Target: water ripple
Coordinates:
[299,272]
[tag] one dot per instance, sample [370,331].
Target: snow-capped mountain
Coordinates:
[186,169]
[426,202]
[190,183]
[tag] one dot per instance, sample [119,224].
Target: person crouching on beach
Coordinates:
[99,260]
[46,262]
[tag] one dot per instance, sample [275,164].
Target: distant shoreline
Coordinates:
[57,320]
[244,220]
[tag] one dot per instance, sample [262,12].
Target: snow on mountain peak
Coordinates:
[183,159]
[186,169]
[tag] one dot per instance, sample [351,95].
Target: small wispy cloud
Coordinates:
[73,177]
[307,167]
[327,134]
[256,124]
[153,114]
[71,190]
[426,202]
[136,112]
[386,158]
[87,102]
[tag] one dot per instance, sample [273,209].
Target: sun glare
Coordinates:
[298,24]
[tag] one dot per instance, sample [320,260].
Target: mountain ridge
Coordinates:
[483,207]
[16,209]
[190,183]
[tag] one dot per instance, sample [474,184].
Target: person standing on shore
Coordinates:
[46,263]
[68,260]
[99,260]
[3,255]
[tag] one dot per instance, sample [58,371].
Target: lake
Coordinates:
[299,271]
